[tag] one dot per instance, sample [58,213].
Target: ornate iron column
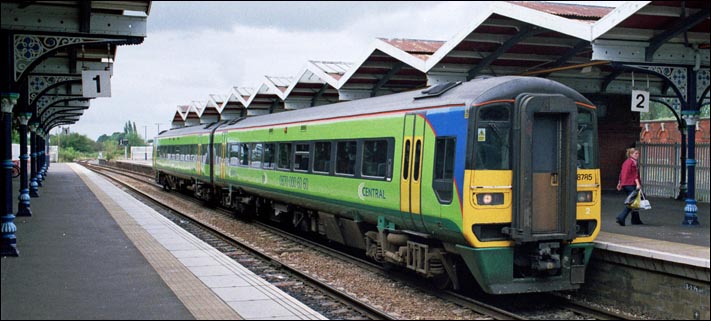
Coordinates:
[23,205]
[34,191]
[691,117]
[9,241]
[40,158]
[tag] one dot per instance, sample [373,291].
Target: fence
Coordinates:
[141,153]
[16,152]
[661,170]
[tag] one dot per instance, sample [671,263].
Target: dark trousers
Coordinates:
[635,214]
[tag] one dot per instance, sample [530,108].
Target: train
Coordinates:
[494,179]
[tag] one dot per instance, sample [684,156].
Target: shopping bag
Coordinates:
[644,202]
[635,202]
[631,197]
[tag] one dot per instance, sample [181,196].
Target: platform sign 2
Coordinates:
[640,101]
[96,83]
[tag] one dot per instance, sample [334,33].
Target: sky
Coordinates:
[194,49]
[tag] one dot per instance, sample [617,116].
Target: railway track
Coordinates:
[489,306]
[331,302]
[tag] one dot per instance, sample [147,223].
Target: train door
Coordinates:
[198,160]
[223,159]
[411,175]
[544,168]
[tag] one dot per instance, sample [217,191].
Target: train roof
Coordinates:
[468,93]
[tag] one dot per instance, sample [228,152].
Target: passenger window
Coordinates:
[302,155]
[346,157]
[205,155]
[244,154]
[233,153]
[586,154]
[444,169]
[375,157]
[269,150]
[284,160]
[322,157]
[256,156]
[492,138]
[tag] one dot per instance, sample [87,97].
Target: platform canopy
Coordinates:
[584,47]
[269,96]
[235,105]
[52,43]
[315,84]
[596,50]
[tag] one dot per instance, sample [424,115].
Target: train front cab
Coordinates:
[531,207]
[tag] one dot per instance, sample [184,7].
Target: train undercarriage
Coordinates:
[442,263]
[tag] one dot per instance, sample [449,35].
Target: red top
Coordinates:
[629,172]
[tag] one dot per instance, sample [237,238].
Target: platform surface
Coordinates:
[91,251]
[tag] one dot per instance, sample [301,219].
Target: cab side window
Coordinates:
[443,178]
[492,139]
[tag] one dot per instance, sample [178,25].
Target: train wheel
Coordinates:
[441,281]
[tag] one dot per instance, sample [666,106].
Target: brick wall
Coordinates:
[618,130]
[667,131]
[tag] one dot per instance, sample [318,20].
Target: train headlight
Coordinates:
[489,199]
[585,197]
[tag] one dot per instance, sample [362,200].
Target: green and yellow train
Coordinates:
[497,178]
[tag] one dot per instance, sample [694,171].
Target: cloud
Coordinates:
[194,49]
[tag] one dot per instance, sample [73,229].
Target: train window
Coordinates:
[406,161]
[375,157]
[494,113]
[586,140]
[233,152]
[256,156]
[205,155]
[302,155]
[322,157]
[493,138]
[284,160]
[416,167]
[269,150]
[244,154]
[346,157]
[444,169]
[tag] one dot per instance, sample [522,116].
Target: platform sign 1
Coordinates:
[640,101]
[96,83]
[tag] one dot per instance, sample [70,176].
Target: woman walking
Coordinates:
[629,181]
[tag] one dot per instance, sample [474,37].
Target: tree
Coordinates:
[658,111]
[111,149]
[76,141]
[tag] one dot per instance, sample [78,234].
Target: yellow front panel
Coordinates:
[486,181]
[589,180]
[490,181]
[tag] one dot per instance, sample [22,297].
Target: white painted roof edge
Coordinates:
[516,12]
[387,48]
[615,17]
